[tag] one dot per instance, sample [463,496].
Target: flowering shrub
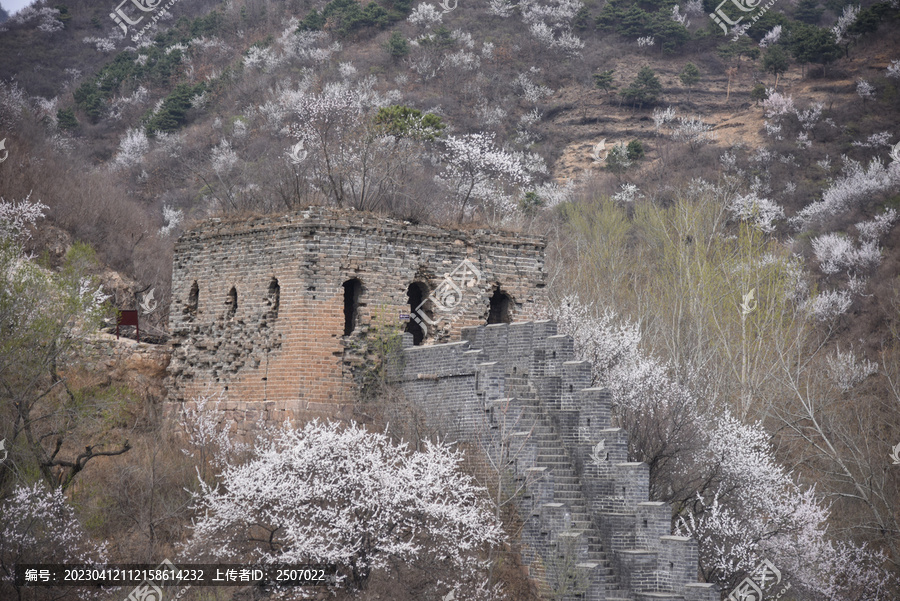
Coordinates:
[532,92]
[132,148]
[425,14]
[223,158]
[771,38]
[809,116]
[346,496]
[479,174]
[172,219]
[777,105]
[864,89]
[627,193]
[878,227]
[663,117]
[847,370]
[828,305]
[875,140]
[836,253]
[893,69]
[857,183]
[39,526]
[48,18]
[693,131]
[761,212]
[844,22]
[681,19]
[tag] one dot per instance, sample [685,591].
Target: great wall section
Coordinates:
[518,388]
[262,314]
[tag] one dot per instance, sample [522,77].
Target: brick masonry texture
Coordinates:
[297,356]
[517,389]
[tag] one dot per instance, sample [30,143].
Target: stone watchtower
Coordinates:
[271,312]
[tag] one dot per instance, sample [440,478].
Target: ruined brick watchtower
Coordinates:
[271,311]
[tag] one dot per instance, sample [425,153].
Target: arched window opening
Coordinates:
[193,298]
[416,293]
[352,294]
[499,311]
[231,303]
[273,297]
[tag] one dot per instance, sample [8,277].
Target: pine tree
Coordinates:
[397,46]
[811,44]
[645,89]
[689,76]
[808,11]
[604,81]
[775,61]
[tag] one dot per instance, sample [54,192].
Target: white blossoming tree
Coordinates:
[132,148]
[342,495]
[857,183]
[836,253]
[777,105]
[721,475]
[351,161]
[39,526]
[481,176]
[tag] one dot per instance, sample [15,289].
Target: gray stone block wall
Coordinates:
[523,379]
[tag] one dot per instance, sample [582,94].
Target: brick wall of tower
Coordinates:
[300,358]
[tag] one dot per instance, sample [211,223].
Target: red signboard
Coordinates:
[128,318]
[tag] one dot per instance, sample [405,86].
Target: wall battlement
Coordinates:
[586,509]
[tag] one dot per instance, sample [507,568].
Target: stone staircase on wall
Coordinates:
[590,529]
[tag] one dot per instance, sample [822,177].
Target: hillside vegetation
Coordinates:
[720,211]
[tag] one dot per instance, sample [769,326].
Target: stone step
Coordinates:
[567,487]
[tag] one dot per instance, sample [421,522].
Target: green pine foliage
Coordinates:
[744,47]
[645,89]
[345,17]
[159,68]
[689,76]
[313,21]
[604,81]
[766,22]
[406,122]
[173,112]
[758,93]
[63,17]
[65,118]
[872,17]
[397,46]
[775,61]
[634,150]
[531,203]
[809,11]
[582,19]
[810,44]
[629,18]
